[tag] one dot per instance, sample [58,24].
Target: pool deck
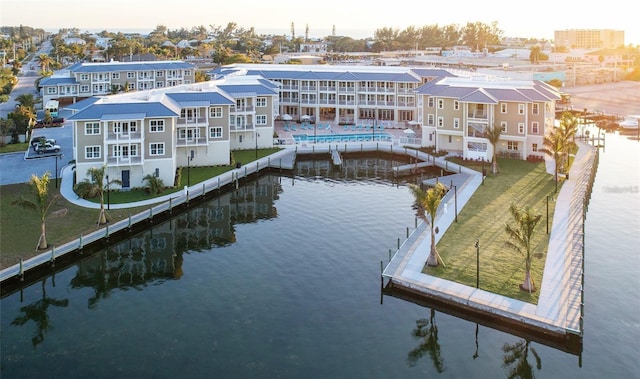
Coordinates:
[558,311]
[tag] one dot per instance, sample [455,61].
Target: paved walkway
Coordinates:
[558,307]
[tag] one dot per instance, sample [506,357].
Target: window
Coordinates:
[156,126]
[159,74]
[456,123]
[534,147]
[520,128]
[159,84]
[84,77]
[189,133]
[157,173]
[187,72]
[450,139]
[534,127]
[125,151]
[430,102]
[520,108]
[261,119]
[92,128]
[440,122]
[456,105]
[535,108]
[430,119]
[131,75]
[512,145]
[92,152]
[503,125]
[132,86]
[215,112]
[215,132]
[156,148]
[84,88]
[503,107]
[261,102]
[440,103]
[52,90]
[115,75]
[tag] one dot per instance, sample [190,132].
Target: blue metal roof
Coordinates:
[101,111]
[508,95]
[80,105]
[431,72]
[54,81]
[213,98]
[479,96]
[247,88]
[133,66]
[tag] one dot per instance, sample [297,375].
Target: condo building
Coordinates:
[83,80]
[156,131]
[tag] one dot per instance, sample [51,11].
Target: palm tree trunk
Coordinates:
[43,237]
[433,254]
[102,218]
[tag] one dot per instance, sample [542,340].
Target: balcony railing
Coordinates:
[124,160]
[113,136]
[246,108]
[199,141]
[242,128]
[191,120]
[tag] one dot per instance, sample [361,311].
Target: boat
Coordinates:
[631,123]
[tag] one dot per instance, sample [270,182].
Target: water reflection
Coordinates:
[516,359]
[427,332]
[38,312]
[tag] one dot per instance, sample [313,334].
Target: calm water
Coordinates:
[282,279]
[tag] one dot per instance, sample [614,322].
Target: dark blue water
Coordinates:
[282,279]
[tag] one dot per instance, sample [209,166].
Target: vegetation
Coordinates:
[493,135]
[95,186]
[560,141]
[521,231]
[42,203]
[483,219]
[427,203]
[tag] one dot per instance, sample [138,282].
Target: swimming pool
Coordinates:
[330,138]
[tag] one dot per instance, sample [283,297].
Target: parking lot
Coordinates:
[18,167]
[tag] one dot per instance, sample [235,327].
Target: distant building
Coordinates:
[589,38]
[83,80]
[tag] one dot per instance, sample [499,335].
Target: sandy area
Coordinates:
[620,98]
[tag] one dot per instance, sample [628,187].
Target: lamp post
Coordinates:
[57,156]
[257,136]
[455,201]
[108,202]
[477,263]
[375,123]
[189,171]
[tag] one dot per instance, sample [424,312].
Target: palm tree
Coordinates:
[493,135]
[553,146]
[155,185]
[44,61]
[26,100]
[94,186]
[525,221]
[427,204]
[42,203]
[560,141]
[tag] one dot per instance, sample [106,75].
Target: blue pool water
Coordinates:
[332,138]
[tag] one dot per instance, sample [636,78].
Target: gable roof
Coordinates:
[123,111]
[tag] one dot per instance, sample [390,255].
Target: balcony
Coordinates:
[192,121]
[242,128]
[478,114]
[246,108]
[114,136]
[196,141]
[113,160]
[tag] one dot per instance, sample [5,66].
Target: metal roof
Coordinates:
[132,66]
[247,88]
[99,111]
[508,95]
[206,98]
[54,81]
[479,96]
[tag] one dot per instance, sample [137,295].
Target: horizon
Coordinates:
[349,19]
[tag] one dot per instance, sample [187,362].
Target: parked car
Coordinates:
[47,148]
[57,121]
[40,140]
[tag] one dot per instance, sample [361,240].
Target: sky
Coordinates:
[355,19]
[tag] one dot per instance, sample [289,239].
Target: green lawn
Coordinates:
[67,221]
[484,218]
[14,147]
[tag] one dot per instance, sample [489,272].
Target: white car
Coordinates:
[47,148]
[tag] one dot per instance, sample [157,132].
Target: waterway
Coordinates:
[282,279]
